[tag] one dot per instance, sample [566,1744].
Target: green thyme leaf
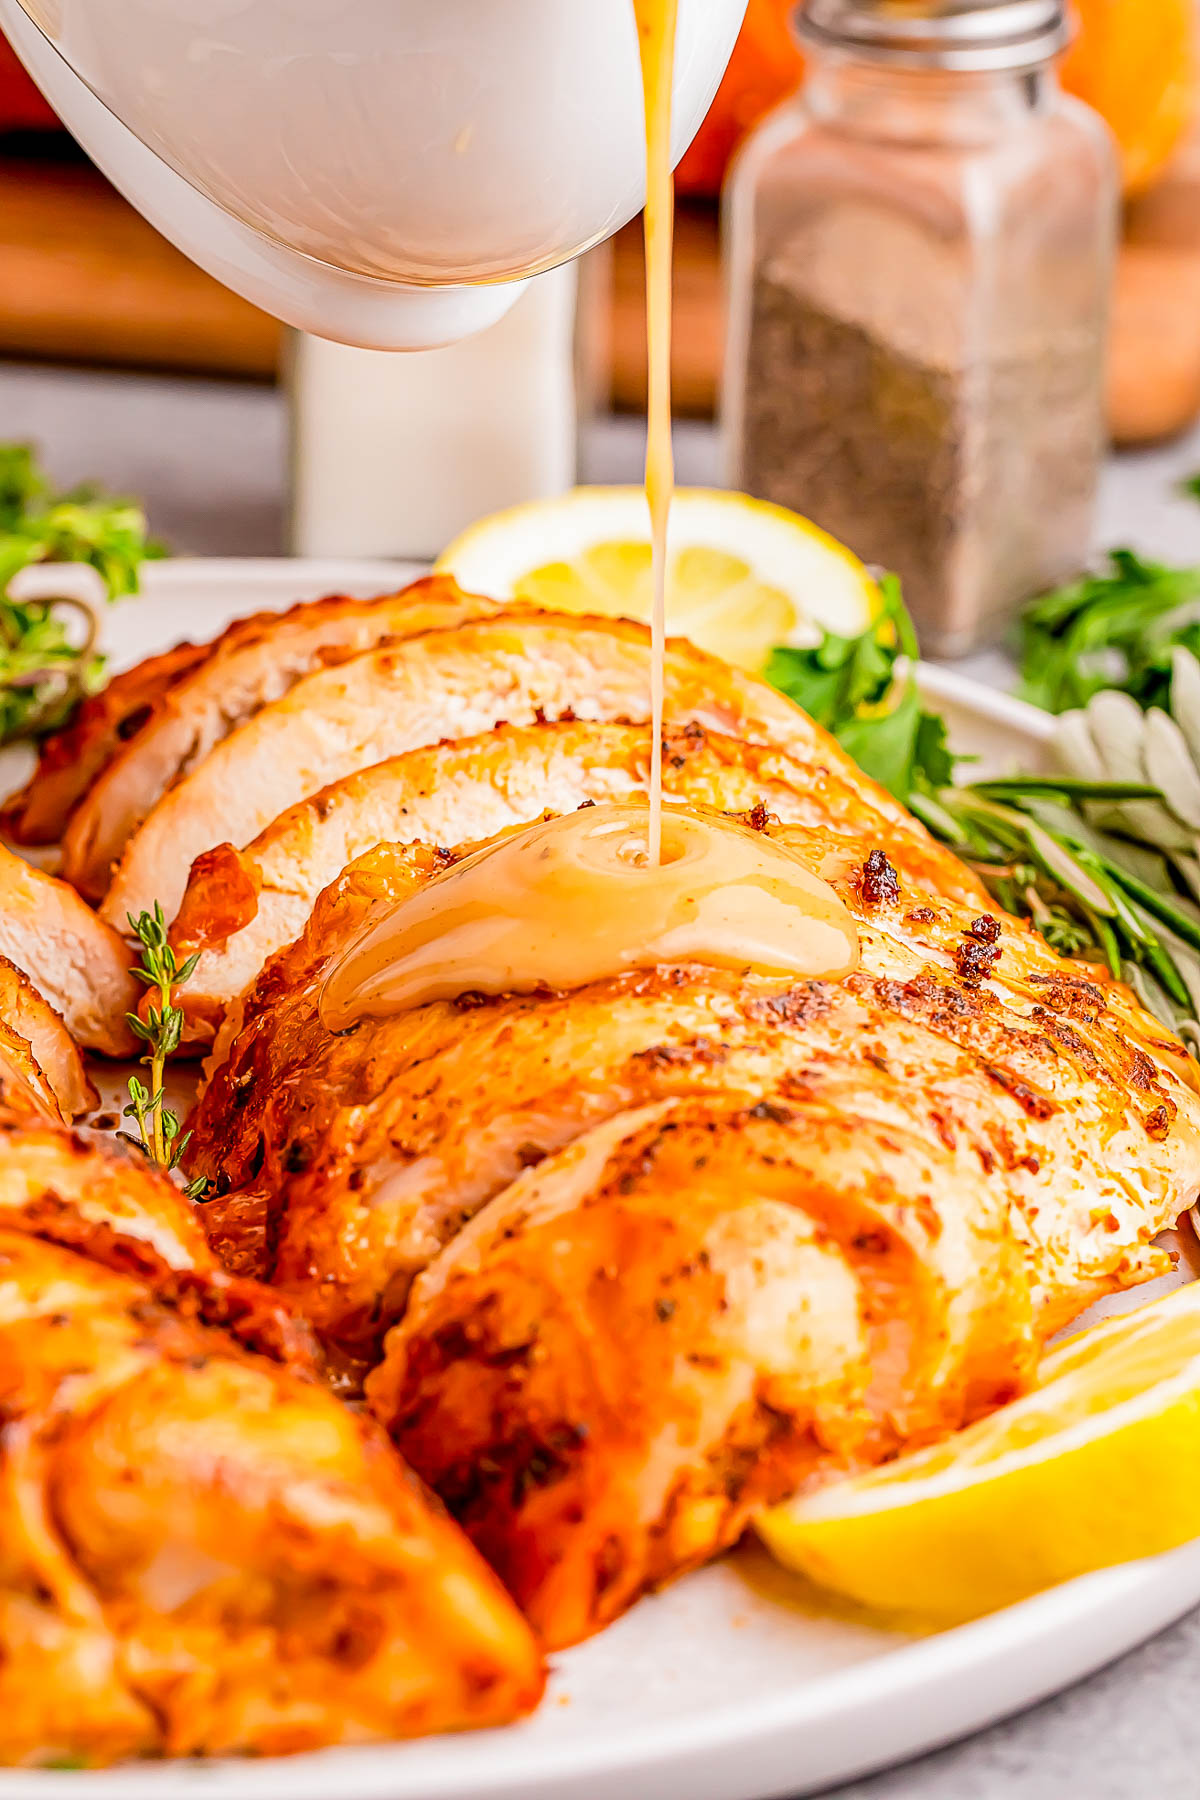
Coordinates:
[161,1030]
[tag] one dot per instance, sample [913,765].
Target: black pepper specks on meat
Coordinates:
[976,957]
[878,884]
[985,928]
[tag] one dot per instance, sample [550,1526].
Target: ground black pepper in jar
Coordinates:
[919,257]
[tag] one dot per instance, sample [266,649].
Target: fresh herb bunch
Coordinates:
[160,1031]
[856,688]
[1114,629]
[1099,858]
[43,674]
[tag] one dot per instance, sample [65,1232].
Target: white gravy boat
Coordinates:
[384,172]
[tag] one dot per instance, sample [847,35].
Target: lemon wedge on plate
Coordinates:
[743,575]
[1099,1464]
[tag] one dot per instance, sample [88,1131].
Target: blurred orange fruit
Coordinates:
[766,65]
[1133,60]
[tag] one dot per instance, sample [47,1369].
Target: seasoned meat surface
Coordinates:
[349,1161]
[250,665]
[80,963]
[71,759]
[242,906]
[38,1048]
[685,1314]
[455,683]
[205,1553]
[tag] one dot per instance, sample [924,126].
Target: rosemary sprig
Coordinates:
[160,1031]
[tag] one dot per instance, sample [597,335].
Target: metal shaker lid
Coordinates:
[939,34]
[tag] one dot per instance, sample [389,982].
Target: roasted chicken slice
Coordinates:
[454,684]
[73,957]
[686,1314]
[252,664]
[38,1049]
[242,906]
[344,1163]
[24,1086]
[205,1553]
[71,759]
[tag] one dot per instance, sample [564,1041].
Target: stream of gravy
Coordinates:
[573,900]
[584,897]
[656,22]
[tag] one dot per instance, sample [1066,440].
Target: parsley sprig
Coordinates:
[1112,629]
[160,1031]
[861,690]
[44,668]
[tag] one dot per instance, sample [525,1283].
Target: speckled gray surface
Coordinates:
[211,461]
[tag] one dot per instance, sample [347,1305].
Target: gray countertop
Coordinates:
[210,460]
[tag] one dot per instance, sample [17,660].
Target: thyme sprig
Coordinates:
[160,1031]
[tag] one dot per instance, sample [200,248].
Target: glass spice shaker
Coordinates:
[919,258]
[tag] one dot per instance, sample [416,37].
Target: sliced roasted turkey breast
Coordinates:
[344,1162]
[454,684]
[71,759]
[205,1552]
[249,666]
[73,957]
[41,1050]
[684,1315]
[242,906]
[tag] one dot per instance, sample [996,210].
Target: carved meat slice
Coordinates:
[242,906]
[71,759]
[73,957]
[205,1552]
[685,1315]
[454,684]
[37,1048]
[253,663]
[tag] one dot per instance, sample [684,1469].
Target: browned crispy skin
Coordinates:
[70,760]
[243,905]
[77,961]
[203,1551]
[39,1049]
[687,1314]
[348,1161]
[253,663]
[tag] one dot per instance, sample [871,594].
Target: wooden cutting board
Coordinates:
[84,278]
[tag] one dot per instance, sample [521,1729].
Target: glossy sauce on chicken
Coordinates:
[576,899]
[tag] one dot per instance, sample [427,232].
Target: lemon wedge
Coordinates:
[1097,1465]
[743,575]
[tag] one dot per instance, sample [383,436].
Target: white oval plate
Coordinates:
[735,1684]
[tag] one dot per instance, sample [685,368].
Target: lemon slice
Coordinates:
[1097,1465]
[743,575]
